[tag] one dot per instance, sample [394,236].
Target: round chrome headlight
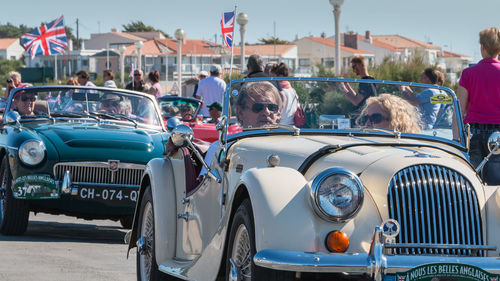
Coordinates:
[32,152]
[337,194]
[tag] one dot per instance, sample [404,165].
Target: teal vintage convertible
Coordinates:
[76,151]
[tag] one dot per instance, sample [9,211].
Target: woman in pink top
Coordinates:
[154,79]
[479,96]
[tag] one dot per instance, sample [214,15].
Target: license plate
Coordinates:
[35,187]
[446,271]
[107,194]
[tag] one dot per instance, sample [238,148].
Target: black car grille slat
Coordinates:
[435,205]
[99,173]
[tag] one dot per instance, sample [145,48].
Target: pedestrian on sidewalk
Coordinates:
[479,96]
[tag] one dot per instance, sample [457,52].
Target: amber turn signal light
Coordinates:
[337,241]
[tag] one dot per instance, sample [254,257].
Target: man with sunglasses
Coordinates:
[137,84]
[25,103]
[258,104]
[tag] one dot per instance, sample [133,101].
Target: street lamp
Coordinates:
[165,49]
[138,46]
[242,20]
[179,35]
[122,63]
[336,13]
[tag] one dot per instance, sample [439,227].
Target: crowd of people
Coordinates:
[264,103]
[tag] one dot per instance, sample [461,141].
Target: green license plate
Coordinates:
[35,187]
[446,272]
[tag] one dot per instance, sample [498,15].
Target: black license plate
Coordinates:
[108,194]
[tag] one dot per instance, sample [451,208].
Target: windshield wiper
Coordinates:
[36,116]
[73,114]
[296,131]
[395,133]
[126,118]
[114,116]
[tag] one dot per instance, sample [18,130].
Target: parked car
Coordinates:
[188,111]
[82,155]
[340,198]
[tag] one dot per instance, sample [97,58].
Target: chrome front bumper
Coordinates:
[375,264]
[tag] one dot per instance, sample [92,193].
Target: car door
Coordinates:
[199,216]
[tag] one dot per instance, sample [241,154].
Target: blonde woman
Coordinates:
[390,112]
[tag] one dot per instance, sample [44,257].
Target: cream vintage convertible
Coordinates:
[332,199]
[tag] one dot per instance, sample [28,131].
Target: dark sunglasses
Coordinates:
[111,103]
[375,118]
[137,74]
[25,98]
[258,107]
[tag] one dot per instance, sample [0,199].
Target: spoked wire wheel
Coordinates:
[241,254]
[146,257]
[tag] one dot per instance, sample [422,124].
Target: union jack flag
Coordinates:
[227,25]
[47,39]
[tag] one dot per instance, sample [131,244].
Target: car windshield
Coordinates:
[185,108]
[77,102]
[366,106]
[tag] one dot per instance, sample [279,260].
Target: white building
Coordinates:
[11,49]
[317,50]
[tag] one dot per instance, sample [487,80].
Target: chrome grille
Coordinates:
[100,173]
[435,205]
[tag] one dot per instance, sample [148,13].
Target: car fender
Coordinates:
[279,196]
[160,174]
[492,209]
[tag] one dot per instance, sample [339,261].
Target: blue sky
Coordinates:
[451,24]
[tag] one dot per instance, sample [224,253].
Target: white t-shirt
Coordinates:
[210,89]
[287,117]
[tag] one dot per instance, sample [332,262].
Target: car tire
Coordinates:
[241,249]
[14,213]
[127,221]
[147,269]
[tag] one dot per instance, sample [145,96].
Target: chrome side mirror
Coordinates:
[493,141]
[181,135]
[172,123]
[493,146]
[12,117]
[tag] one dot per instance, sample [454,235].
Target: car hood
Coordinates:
[379,155]
[91,141]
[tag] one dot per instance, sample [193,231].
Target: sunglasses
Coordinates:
[25,98]
[258,107]
[375,118]
[110,103]
[137,74]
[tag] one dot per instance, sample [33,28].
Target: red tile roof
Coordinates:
[199,47]
[331,43]
[6,42]
[265,49]
[379,43]
[400,42]
[190,47]
[450,54]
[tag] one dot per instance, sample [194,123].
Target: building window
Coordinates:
[206,60]
[304,62]
[327,62]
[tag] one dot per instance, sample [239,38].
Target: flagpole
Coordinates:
[223,142]
[232,45]
[55,67]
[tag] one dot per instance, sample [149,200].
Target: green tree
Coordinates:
[10,31]
[7,66]
[273,40]
[139,26]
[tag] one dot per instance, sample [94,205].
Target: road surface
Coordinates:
[65,248]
